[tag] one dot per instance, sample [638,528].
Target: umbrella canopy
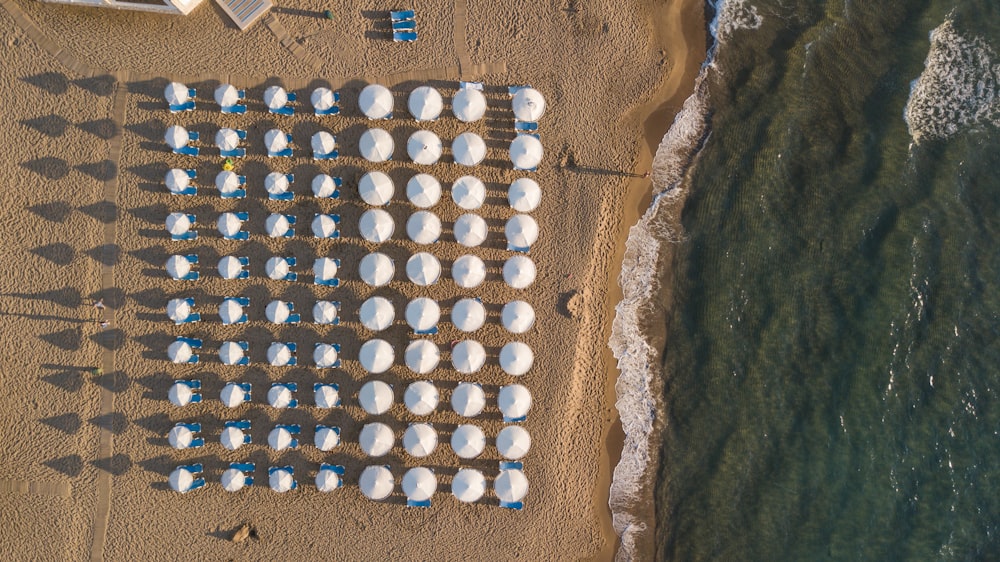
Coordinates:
[424,147]
[275,140]
[470,230]
[323,142]
[230,311]
[423,227]
[375,101]
[513,442]
[524,195]
[232,395]
[423,190]
[227,139]
[324,312]
[376,356]
[275,97]
[326,439]
[230,353]
[276,225]
[468,192]
[277,311]
[233,479]
[227,182]
[324,186]
[468,485]
[421,398]
[519,271]
[526,152]
[469,105]
[281,481]
[322,99]
[419,484]
[176,136]
[468,271]
[422,356]
[276,267]
[468,399]
[177,180]
[528,105]
[375,188]
[176,93]
[178,266]
[177,223]
[376,269]
[178,310]
[516,358]
[468,315]
[422,314]
[469,149]
[226,95]
[327,480]
[377,313]
[514,401]
[521,231]
[323,226]
[230,267]
[279,354]
[229,224]
[325,355]
[279,396]
[511,486]
[425,103]
[276,183]
[517,317]
[181,480]
[420,439]
[376,225]
[180,394]
[326,396]
[325,268]
[180,437]
[468,356]
[179,351]
[376,482]
[468,441]
[232,438]
[279,439]
[376,439]
[375,397]
[376,145]
[423,269]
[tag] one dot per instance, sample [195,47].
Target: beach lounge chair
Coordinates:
[525,126]
[195,469]
[511,90]
[292,361]
[192,275]
[195,344]
[194,428]
[247,468]
[335,468]
[513,505]
[186,106]
[514,420]
[294,429]
[195,386]
[234,153]
[236,193]
[193,136]
[286,196]
[291,231]
[511,465]
[245,360]
[245,262]
[333,110]
[190,234]
[292,276]
[242,301]
[187,150]
[415,503]
[404,36]
[407,25]
[335,387]
[293,387]
[192,173]
[401,15]
[242,234]
[194,316]
[328,156]
[237,109]
[470,85]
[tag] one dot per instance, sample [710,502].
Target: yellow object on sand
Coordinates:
[228,165]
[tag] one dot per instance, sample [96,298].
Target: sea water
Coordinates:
[829,386]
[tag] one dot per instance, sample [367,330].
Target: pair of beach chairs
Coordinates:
[186,106]
[404,26]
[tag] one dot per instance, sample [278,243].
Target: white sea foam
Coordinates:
[957,88]
[732,15]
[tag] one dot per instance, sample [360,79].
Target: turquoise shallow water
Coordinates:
[833,367]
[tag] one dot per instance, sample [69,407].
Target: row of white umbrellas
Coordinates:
[423,190]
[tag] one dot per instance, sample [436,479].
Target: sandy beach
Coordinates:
[86,463]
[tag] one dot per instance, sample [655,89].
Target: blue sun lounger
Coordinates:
[525,126]
[194,428]
[291,386]
[429,331]
[195,344]
[238,109]
[247,468]
[187,150]
[194,316]
[336,468]
[406,25]
[402,15]
[242,234]
[245,262]
[195,386]
[192,275]
[404,36]
[237,152]
[328,156]
[236,193]
[245,360]
[294,429]
[334,110]
[512,505]
[178,107]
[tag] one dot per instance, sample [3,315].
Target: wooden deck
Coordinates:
[245,12]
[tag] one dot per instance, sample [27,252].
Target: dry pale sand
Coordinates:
[79,483]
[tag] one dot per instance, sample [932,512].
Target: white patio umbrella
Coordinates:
[376,482]
[276,225]
[327,480]
[424,147]
[468,441]
[423,190]
[178,266]
[468,315]
[468,105]
[468,356]
[519,271]
[420,439]
[526,152]
[521,231]
[468,192]
[470,230]
[514,400]
[516,358]
[517,317]
[323,186]
[421,398]
[178,310]
[326,396]
[275,140]
[176,136]
[181,480]
[180,394]
[227,182]
[325,269]
[375,188]
[375,101]
[227,139]
[322,143]
[230,353]
[425,103]
[230,267]
[375,397]
[226,95]
[230,311]
[324,312]
[180,437]
[524,195]
[233,479]
[176,93]
[419,484]
[468,399]
[511,486]
[376,269]
[281,481]
[276,183]
[423,269]
[528,105]
[376,356]
[513,442]
[325,355]
[279,396]
[322,99]
[232,438]
[276,267]
[323,226]
[376,225]
[279,439]
[377,313]
[376,439]
[177,180]
[376,145]
[469,149]
[326,439]
[468,485]
[229,224]
[177,223]
[468,271]
[179,351]
[423,227]
[277,311]
[279,354]
[422,314]
[275,97]
[422,356]
[232,396]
